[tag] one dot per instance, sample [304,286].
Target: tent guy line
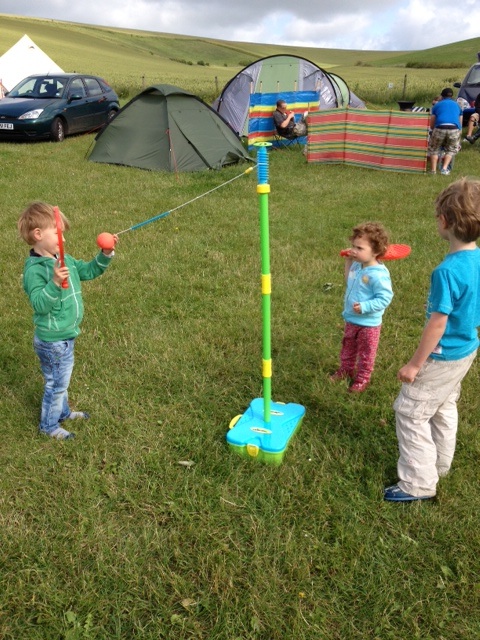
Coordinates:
[166,213]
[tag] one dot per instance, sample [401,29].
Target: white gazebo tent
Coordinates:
[24,59]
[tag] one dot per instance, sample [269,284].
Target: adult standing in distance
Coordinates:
[446,126]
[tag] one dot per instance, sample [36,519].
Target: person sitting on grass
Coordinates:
[57,311]
[426,408]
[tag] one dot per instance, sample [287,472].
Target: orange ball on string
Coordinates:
[106,241]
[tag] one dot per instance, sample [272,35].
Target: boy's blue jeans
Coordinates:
[56,362]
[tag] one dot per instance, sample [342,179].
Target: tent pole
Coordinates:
[172,153]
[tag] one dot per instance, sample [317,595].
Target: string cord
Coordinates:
[166,213]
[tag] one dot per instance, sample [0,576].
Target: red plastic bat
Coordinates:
[61,252]
[393,252]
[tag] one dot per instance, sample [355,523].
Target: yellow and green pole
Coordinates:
[263,189]
[264,430]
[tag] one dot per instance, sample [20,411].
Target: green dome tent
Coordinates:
[165,128]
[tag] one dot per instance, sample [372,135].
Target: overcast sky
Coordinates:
[384,25]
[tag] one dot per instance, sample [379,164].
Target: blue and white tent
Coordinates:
[279,74]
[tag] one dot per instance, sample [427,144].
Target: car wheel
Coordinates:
[111,114]
[57,130]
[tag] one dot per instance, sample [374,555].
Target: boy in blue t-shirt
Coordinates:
[426,408]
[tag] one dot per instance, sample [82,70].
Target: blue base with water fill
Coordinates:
[251,437]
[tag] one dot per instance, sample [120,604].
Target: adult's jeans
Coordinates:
[56,362]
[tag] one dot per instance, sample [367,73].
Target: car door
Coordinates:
[77,109]
[98,102]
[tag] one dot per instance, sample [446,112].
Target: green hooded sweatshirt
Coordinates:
[57,312]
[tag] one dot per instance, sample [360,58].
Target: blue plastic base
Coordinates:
[250,436]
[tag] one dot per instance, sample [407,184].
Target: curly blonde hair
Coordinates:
[376,235]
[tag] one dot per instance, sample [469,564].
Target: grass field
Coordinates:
[108,536]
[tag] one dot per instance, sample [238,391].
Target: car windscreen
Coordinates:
[39,87]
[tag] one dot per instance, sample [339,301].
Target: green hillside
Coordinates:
[132,59]
[457,55]
[63,41]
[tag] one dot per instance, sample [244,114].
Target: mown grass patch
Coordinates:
[108,536]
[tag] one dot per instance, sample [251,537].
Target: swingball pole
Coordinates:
[264,430]
[263,189]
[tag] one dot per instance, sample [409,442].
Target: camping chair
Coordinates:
[290,140]
[283,141]
[261,127]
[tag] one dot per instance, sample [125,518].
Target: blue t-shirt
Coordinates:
[446,111]
[455,291]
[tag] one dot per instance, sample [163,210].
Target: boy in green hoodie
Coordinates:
[57,311]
